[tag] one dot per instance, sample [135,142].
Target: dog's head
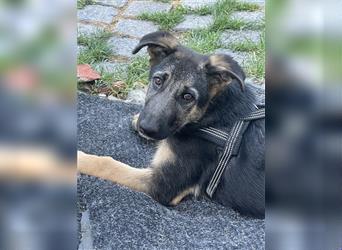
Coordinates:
[182,83]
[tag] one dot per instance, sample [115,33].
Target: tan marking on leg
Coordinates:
[109,169]
[192,190]
[163,154]
[135,122]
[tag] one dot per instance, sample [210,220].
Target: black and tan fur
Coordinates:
[184,163]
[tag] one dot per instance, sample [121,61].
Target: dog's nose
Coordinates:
[148,129]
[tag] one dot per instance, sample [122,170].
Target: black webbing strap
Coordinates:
[230,141]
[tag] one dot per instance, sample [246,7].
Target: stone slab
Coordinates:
[135,28]
[138,7]
[115,3]
[197,3]
[123,46]
[97,13]
[194,22]
[247,16]
[238,36]
[110,67]
[240,57]
[87,29]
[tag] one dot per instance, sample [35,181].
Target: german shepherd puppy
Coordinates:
[188,91]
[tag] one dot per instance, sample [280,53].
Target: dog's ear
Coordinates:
[160,44]
[221,69]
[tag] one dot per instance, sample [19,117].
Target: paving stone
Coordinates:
[259,2]
[135,27]
[87,29]
[138,7]
[247,16]
[97,13]
[239,36]
[137,96]
[240,57]
[110,67]
[124,46]
[115,3]
[197,3]
[195,22]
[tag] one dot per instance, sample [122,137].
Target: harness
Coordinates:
[230,143]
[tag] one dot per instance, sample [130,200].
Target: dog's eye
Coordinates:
[188,97]
[157,81]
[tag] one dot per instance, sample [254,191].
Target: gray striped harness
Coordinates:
[230,142]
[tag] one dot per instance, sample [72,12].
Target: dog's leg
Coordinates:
[109,169]
[135,122]
[192,190]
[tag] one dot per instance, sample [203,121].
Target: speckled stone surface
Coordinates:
[236,36]
[240,57]
[135,28]
[247,16]
[115,3]
[110,67]
[194,22]
[120,218]
[197,3]
[136,8]
[123,46]
[97,13]
[87,29]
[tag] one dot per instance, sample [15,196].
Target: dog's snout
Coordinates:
[147,128]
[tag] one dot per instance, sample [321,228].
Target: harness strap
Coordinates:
[215,179]
[231,141]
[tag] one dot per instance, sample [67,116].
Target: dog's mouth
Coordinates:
[156,136]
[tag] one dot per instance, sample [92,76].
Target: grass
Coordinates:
[121,81]
[82,3]
[244,46]
[166,20]
[255,63]
[96,48]
[203,41]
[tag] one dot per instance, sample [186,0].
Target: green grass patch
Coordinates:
[241,6]
[166,20]
[82,3]
[255,63]
[96,48]
[244,46]
[122,80]
[202,41]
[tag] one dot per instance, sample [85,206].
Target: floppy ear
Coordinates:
[160,45]
[221,69]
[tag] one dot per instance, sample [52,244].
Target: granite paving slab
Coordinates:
[247,16]
[136,8]
[97,13]
[239,36]
[87,29]
[110,67]
[240,57]
[135,28]
[123,46]
[115,3]
[197,3]
[194,22]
